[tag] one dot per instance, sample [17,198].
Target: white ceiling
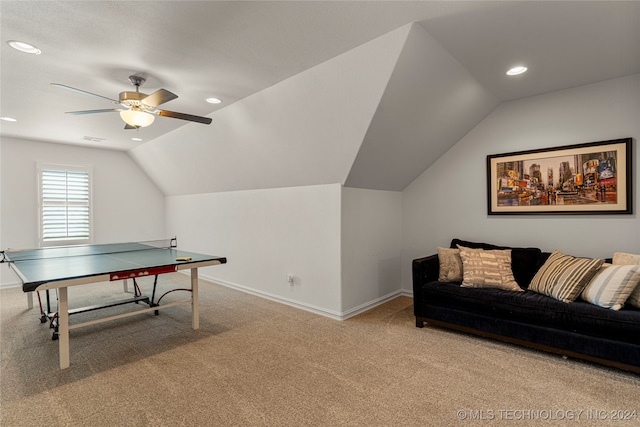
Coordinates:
[235,49]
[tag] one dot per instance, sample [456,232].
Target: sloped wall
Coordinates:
[431,102]
[450,198]
[305,130]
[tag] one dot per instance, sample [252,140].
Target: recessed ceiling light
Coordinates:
[136,139]
[24,47]
[516,70]
[8,119]
[214,100]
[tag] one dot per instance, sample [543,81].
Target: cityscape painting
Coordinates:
[591,178]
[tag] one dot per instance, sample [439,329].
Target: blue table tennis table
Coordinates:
[60,267]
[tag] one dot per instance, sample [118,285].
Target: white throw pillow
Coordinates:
[612,286]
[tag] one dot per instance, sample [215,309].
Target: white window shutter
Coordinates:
[65,205]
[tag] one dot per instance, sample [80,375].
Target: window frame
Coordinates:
[41,167]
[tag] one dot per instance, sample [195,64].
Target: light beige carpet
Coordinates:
[255,362]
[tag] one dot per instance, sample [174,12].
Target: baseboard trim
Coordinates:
[370,304]
[336,315]
[293,303]
[9,285]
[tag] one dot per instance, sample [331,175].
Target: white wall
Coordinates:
[342,245]
[450,198]
[266,235]
[371,247]
[127,205]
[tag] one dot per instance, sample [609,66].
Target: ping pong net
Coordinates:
[86,250]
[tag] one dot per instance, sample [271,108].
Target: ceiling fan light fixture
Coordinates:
[136,118]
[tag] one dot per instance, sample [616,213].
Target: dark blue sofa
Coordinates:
[578,329]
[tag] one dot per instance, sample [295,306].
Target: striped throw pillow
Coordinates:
[564,277]
[612,285]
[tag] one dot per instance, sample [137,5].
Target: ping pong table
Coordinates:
[60,267]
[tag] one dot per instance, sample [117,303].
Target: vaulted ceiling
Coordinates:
[365,93]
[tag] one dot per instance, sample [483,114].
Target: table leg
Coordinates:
[195,319]
[30,300]
[63,327]
[125,285]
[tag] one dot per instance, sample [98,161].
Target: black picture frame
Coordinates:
[590,178]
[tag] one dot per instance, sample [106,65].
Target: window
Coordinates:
[65,204]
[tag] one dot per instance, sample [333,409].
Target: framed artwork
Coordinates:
[590,178]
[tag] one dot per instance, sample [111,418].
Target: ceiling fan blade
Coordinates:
[108,110]
[183,116]
[84,92]
[159,97]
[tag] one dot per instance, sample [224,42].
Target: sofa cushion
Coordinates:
[612,285]
[487,269]
[450,265]
[621,258]
[531,308]
[564,277]
[524,261]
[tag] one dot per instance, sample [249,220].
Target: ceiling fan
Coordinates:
[139,109]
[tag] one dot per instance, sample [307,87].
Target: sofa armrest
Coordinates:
[425,270]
